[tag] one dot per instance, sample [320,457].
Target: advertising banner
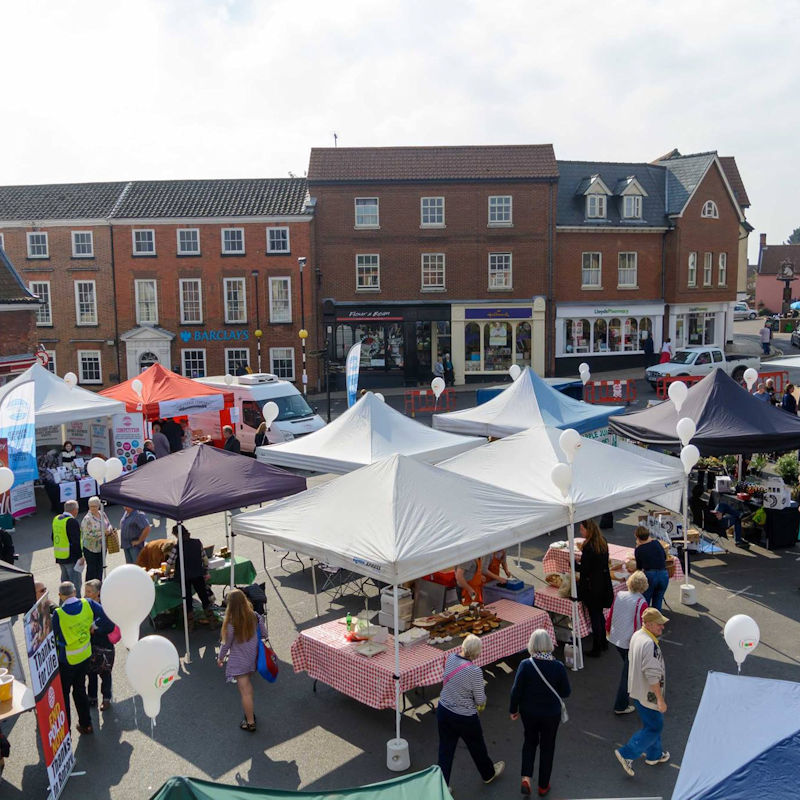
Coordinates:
[51,709]
[49,435]
[78,434]
[23,500]
[191,405]
[5,497]
[17,426]
[351,375]
[98,438]
[127,438]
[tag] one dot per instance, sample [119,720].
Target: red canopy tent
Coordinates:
[165,394]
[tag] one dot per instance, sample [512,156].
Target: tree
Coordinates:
[794,238]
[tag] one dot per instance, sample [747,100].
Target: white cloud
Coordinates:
[204,88]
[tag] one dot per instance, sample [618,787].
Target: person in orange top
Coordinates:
[470,577]
[493,564]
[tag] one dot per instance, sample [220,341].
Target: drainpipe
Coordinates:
[550,316]
[114,295]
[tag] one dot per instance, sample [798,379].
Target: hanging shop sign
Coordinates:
[498,313]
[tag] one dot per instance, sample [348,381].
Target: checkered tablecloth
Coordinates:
[556,559]
[327,656]
[548,599]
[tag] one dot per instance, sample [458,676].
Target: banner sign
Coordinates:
[49,435]
[9,655]
[5,497]
[98,438]
[87,487]
[17,425]
[498,313]
[351,374]
[127,436]
[78,434]
[51,709]
[191,405]
[67,491]
[23,500]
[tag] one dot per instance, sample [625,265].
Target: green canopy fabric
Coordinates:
[426,785]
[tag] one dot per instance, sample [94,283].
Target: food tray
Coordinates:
[370,649]
[457,639]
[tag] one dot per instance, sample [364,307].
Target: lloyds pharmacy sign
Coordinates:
[218,335]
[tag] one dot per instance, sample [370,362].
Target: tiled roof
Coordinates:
[244,197]
[772,256]
[58,201]
[575,176]
[492,162]
[731,171]
[12,289]
[683,175]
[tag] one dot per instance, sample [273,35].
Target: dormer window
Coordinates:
[596,206]
[710,210]
[632,206]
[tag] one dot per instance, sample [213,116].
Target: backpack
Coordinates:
[257,596]
[7,553]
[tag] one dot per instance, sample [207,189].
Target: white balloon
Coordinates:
[152,668]
[677,393]
[270,412]
[97,468]
[514,371]
[561,475]
[570,441]
[686,429]
[380,397]
[437,384]
[583,367]
[742,636]
[690,455]
[71,379]
[137,386]
[586,377]
[229,379]
[113,469]
[6,479]
[127,595]
[750,377]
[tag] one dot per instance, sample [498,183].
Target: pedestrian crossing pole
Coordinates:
[303,334]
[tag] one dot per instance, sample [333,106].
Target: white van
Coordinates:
[251,393]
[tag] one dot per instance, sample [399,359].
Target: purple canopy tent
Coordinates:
[198,481]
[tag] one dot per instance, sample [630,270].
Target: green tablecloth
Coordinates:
[168,593]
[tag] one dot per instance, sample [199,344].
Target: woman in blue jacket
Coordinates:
[539,705]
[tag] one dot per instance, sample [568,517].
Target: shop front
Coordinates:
[607,337]
[399,342]
[488,339]
[698,324]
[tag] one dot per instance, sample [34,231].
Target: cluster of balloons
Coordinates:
[569,441]
[104,470]
[127,595]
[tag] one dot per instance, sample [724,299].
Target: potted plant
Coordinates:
[788,468]
[757,463]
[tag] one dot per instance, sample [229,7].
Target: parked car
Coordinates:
[796,337]
[743,311]
[700,361]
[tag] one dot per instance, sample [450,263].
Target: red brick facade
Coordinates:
[20,335]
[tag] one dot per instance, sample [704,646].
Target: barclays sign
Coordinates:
[218,335]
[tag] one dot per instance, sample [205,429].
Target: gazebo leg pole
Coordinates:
[397,756]
[233,551]
[227,543]
[577,652]
[314,582]
[183,593]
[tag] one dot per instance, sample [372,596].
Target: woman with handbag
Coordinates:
[94,527]
[101,662]
[462,697]
[594,588]
[242,631]
[539,686]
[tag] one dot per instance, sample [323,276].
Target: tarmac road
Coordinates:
[309,740]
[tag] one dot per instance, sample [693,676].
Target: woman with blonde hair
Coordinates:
[94,527]
[623,621]
[242,629]
[594,588]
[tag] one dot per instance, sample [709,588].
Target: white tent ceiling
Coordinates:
[399,519]
[368,431]
[56,403]
[605,478]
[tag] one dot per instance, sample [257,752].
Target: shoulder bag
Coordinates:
[564,714]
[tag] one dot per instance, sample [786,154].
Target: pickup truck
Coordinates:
[700,361]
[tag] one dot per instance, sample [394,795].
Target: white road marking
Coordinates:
[669,641]
[744,592]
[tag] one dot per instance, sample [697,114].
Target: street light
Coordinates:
[303,334]
[258,332]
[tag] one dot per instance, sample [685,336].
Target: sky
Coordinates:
[94,90]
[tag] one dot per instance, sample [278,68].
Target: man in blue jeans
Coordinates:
[646,685]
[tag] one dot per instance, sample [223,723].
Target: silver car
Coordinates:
[743,311]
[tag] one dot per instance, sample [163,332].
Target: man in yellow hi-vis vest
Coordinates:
[73,624]
[67,544]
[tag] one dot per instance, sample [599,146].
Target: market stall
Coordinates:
[368,431]
[528,401]
[199,481]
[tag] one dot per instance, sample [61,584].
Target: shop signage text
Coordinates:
[697,309]
[219,335]
[498,313]
[602,312]
[365,316]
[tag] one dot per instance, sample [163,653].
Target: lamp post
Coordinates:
[303,334]
[258,333]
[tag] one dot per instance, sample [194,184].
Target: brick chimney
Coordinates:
[762,241]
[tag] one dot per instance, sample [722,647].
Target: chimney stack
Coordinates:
[762,241]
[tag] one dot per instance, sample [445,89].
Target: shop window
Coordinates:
[646,324]
[345,339]
[630,335]
[709,329]
[496,347]
[614,335]
[524,344]
[578,336]
[600,338]
[472,347]
[680,331]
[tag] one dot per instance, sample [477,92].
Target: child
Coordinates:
[102,659]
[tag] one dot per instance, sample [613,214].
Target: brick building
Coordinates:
[18,310]
[644,247]
[202,265]
[426,250]
[59,239]
[773,260]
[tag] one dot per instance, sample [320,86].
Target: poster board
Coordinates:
[127,437]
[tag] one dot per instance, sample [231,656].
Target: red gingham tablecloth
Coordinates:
[557,559]
[327,656]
